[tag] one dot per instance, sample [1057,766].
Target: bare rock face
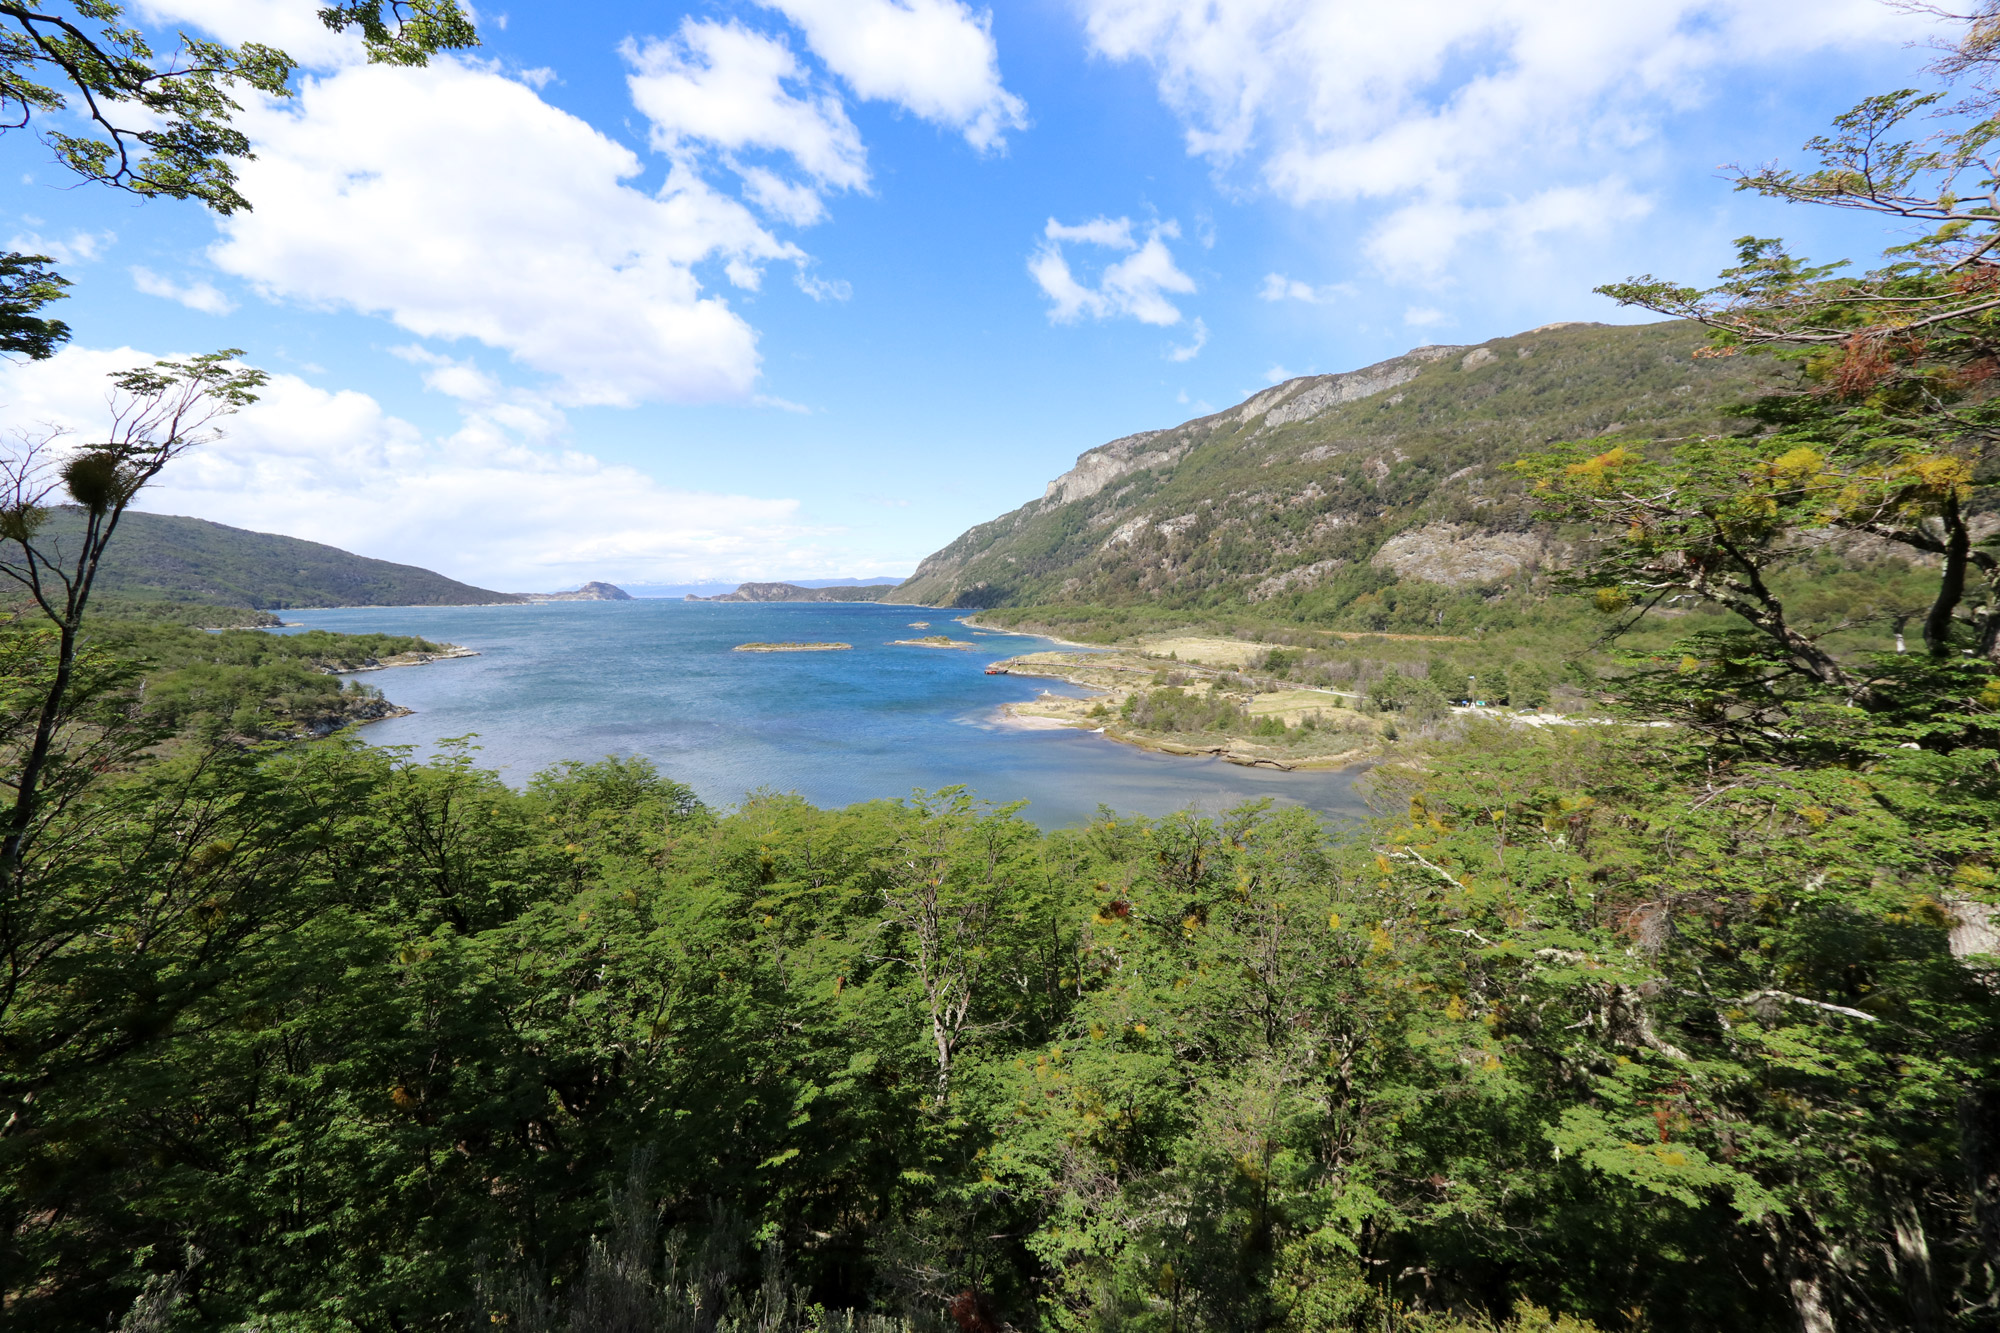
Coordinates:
[1460,556]
[1105,464]
[1304,399]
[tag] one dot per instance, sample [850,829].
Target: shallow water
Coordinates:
[580,680]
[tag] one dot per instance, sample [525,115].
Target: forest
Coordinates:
[1682,1017]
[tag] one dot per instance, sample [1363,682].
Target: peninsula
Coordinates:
[1332,701]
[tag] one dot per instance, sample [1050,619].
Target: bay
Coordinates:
[581,680]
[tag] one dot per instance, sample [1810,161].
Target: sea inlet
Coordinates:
[658,678]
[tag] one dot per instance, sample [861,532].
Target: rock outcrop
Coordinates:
[1461,556]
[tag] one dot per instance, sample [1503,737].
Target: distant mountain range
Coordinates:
[711,587]
[164,557]
[589,592]
[1393,472]
[793,592]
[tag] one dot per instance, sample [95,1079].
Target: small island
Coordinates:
[791,647]
[932,641]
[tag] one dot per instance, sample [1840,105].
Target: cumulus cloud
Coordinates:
[458,204]
[483,504]
[202,296]
[1423,317]
[721,86]
[1492,119]
[934,58]
[1134,286]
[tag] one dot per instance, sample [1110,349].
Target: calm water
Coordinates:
[580,680]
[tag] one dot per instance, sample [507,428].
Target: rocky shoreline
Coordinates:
[447,652]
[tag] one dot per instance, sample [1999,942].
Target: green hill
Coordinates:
[1325,490]
[162,557]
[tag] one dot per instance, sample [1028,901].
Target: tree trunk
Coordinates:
[1910,1257]
[1812,1308]
[27,794]
[1979,1149]
[1951,582]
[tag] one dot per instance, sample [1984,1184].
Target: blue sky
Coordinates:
[666,293]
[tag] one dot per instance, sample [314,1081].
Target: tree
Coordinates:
[162,127]
[1890,430]
[158,412]
[945,888]
[27,283]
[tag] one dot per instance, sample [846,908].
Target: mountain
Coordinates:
[589,592]
[1327,488]
[792,592]
[163,557]
[710,587]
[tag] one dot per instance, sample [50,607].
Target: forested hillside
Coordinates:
[1326,490]
[174,559]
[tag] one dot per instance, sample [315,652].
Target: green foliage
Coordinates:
[250,684]
[1173,708]
[27,283]
[161,124]
[1603,1022]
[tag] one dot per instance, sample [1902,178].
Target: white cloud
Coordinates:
[1467,119]
[1115,233]
[479,505]
[934,58]
[1423,316]
[1190,351]
[1135,285]
[1278,287]
[824,289]
[202,296]
[1276,375]
[81,247]
[723,86]
[450,376]
[790,201]
[458,204]
[292,27]
[1414,240]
